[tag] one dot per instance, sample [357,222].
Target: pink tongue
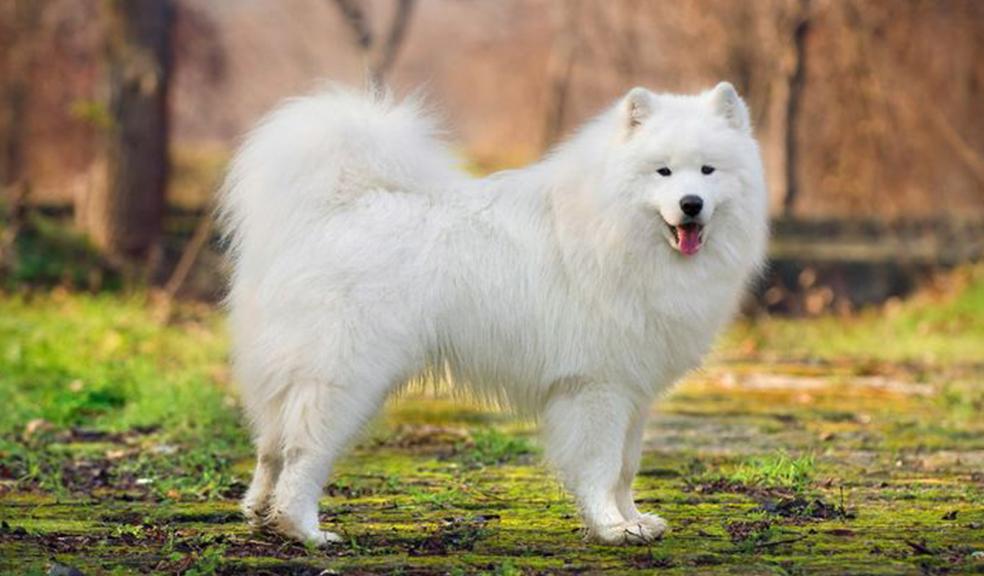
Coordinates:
[689,239]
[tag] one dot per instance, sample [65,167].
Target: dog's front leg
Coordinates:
[631,454]
[586,428]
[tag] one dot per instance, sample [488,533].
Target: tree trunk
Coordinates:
[124,217]
[21,22]
[797,79]
[560,72]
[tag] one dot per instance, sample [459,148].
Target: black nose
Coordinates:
[691,205]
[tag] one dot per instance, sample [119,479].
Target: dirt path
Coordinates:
[781,469]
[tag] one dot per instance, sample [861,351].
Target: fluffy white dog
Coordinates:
[574,290]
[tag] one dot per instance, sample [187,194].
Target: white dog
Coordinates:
[574,290]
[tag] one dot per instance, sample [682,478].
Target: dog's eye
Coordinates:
[664,171]
[705,169]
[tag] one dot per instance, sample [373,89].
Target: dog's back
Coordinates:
[320,153]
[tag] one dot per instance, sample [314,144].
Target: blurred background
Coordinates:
[836,427]
[119,117]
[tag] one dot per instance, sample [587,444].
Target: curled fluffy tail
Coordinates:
[318,153]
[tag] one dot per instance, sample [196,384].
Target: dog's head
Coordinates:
[689,168]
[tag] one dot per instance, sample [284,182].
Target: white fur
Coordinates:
[364,259]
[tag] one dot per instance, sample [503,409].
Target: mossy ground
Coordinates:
[122,453]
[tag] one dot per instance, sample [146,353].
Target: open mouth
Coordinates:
[687,237]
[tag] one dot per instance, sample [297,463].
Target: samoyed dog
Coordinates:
[574,290]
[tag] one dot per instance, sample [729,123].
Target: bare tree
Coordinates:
[379,56]
[560,71]
[19,23]
[796,80]
[124,217]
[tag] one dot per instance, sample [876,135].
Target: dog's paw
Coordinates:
[318,538]
[256,517]
[307,535]
[642,530]
[322,538]
[654,523]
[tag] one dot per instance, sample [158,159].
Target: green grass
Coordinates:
[445,488]
[934,330]
[489,447]
[106,364]
[773,471]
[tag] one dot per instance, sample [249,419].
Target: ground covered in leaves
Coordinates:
[809,446]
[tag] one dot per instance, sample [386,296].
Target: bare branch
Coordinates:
[394,40]
[357,22]
[379,58]
[193,249]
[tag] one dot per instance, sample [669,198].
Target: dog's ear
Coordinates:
[727,103]
[637,106]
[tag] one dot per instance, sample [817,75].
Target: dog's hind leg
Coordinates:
[321,418]
[268,432]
